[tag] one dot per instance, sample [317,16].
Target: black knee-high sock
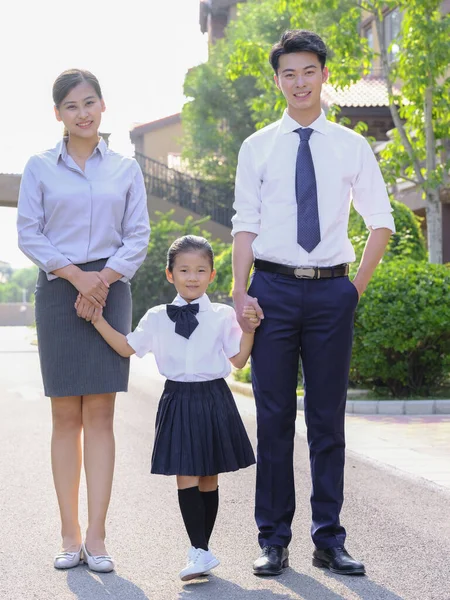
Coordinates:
[211,502]
[193,512]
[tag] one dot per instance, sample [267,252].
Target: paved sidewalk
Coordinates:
[418,446]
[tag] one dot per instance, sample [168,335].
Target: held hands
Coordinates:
[93,287]
[97,316]
[250,314]
[86,310]
[243,301]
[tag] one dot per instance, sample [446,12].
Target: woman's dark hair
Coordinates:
[189,243]
[298,40]
[70,79]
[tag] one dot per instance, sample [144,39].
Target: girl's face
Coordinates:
[81,111]
[191,274]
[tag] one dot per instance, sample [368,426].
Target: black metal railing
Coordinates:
[201,197]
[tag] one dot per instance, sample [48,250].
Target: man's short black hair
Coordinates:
[298,40]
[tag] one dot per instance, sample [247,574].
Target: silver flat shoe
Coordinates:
[102,563]
[68,560]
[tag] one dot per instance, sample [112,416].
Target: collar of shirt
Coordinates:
[204,302]
[61,149]
[288,124]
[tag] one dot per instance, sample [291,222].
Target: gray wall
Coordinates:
[16,313]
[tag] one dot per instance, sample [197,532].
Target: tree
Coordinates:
[419,152]
[21,284]
[233,93]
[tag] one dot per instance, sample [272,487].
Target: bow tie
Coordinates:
[184,318]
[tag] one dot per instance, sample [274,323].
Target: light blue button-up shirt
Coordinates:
[67,216]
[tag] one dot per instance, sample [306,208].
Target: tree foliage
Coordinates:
[20,285]
[220,112]
[407,242]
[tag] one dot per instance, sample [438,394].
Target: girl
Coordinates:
[82,218]
[199,432]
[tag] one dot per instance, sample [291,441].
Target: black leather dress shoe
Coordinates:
[338,560]
[272,561]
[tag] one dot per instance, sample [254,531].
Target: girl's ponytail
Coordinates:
[65,133]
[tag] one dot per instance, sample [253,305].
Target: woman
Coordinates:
[82,218]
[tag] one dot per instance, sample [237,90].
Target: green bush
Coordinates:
[244,375]
[402,329]
[407,242]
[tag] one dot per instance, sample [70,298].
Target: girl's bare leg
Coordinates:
[184,482]
[99,457]
[66,465]
[208,484]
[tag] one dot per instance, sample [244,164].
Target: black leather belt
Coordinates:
[302,272]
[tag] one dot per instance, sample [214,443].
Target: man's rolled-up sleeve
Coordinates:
[370,196]
[247,203]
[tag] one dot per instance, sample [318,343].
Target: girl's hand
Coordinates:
[93,286]
[250,313]
[97,316]
[84,308]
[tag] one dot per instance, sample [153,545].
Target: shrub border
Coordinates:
[368,407]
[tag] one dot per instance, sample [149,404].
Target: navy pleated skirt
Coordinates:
[199,431]
[75,359]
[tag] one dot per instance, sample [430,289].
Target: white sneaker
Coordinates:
[190,556]
[199,563]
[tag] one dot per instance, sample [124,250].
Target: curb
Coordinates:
[368,407]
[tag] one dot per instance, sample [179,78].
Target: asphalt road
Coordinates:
[398,525]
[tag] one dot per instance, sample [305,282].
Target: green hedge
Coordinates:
[407,242]
[402,329]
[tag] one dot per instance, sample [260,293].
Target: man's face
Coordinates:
[300,78]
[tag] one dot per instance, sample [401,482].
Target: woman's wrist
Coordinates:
[110,275]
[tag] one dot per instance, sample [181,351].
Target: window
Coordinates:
[392,22]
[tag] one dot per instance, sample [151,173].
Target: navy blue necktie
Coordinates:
[184,318]
[308,226]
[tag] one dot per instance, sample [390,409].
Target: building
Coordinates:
[160,140]
[215,16]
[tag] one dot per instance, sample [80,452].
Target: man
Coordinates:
[294,184]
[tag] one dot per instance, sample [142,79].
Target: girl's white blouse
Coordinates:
[202,357]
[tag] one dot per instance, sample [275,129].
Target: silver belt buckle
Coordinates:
[305,272]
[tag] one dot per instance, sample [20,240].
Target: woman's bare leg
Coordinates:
[99,457]
[66,465]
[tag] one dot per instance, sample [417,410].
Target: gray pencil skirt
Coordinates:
[75,359]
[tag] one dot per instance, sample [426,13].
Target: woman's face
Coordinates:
[81,111]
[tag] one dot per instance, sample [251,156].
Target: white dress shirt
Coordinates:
[67,216]
[265,203]
[202,357]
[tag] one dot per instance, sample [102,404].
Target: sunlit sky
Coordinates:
[140,50]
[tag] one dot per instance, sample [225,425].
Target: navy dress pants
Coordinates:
[310,320]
